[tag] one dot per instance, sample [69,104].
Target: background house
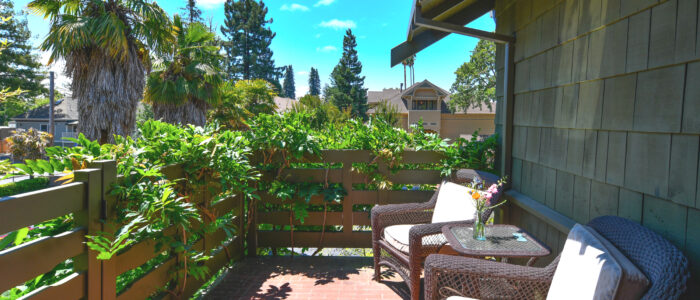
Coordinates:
[429,102]
[65,120]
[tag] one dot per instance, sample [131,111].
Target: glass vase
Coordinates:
[479,229]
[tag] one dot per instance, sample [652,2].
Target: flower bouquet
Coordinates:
[485,202]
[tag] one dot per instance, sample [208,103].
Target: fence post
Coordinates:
[89,218]
[108,277]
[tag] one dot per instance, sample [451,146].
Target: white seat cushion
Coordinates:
[588,269]
[397,237]
[454,203]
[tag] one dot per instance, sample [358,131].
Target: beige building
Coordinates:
[428,102]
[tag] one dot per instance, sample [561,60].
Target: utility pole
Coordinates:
[51,105]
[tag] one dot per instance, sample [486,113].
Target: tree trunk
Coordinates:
[108,91]
[190,112]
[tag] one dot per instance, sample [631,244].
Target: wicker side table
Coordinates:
[502,240]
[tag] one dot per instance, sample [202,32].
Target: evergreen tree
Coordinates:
[248,39]
[19,67]
[191,12]
[347,86]
[314,82]
[288,84]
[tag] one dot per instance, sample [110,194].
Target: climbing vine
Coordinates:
[248,164]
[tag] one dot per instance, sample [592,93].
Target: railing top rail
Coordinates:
[41,205]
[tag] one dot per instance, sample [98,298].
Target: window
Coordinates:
[44,127]
[424,105]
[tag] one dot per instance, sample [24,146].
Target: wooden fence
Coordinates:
[349,218]
[89,202]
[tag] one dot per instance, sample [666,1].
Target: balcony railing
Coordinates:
[345,224]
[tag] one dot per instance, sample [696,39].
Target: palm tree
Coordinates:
[106,45]
[188,79]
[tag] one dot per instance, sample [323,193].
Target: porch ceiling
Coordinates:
[448,14]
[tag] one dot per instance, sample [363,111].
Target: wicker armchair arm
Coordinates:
[395,214]
[447,275]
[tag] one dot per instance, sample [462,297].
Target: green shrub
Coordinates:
[28,185]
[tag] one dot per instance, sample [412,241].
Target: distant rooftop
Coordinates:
[65,109]
[395,97]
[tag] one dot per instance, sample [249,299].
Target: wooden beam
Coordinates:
[424,37]
[541,211]
[509,106]
[453,28]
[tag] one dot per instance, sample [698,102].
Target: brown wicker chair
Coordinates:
[662,263]
[424,239]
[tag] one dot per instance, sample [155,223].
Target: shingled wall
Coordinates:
[607,113]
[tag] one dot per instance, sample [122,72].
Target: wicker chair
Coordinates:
[424,239]
[662,263]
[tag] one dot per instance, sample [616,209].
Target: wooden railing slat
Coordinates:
[415,177]
[69,288]
[314,218]
[227,205]
[149,283]
[138,254]
[312,239]
[26,261]
[43,204]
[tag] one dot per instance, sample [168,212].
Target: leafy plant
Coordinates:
[28,144]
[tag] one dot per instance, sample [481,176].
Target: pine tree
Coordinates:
[191,12]
[19,67]
[314,82]
[347,86]
[288,84]
[248,39]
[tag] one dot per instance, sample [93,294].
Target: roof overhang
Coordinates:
[432,20]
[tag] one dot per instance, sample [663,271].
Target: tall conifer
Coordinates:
[314,82]
[248,37]
[19,67]
[347,85]
[288,84]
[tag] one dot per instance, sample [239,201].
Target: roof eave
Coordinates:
[447,13]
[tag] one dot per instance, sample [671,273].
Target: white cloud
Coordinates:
[294,7]
[61,81]
[324,3]
[302,90]
[318,35]
[328,48]
[338,24]
[208,4]
[302,73]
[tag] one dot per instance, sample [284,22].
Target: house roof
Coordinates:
[425,84]
[284,104]
[65,109]
[394,97]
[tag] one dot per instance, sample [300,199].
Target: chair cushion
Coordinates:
[633,284]
[453,203]
[592,268]
[397,237]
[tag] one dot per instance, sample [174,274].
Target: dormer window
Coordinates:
[424,104]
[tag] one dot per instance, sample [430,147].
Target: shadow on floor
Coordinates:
[307,278]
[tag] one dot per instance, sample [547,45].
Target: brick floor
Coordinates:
[307,278]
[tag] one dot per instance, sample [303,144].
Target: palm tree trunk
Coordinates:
[108,91]
[190,112]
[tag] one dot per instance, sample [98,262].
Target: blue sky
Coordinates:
[310,34]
